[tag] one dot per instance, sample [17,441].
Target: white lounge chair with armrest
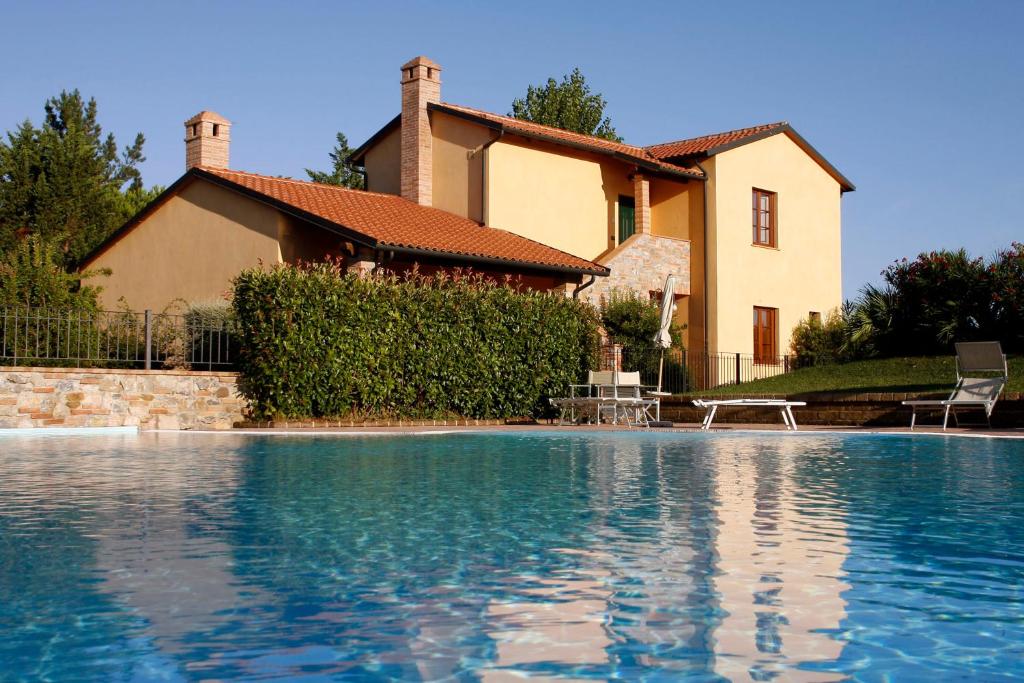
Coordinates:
[625,399]
[584,400]
[977,393]
[784,407]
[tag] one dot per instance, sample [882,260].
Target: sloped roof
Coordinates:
[686,151]
[383,221]
[705,143]
[538,131]
[590,143]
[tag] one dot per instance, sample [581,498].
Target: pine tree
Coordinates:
[343,173]
[568,105]
[65,182]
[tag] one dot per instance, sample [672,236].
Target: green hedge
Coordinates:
[316,342]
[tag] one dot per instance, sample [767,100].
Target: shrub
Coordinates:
[32,275]
[316,342]
[817,342]
[633,321]
[40,302]
[924,306]
[1007,276]
[938,298]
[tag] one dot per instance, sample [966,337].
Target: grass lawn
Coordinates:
[873,376]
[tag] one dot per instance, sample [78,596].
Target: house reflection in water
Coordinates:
[558,621]
[731,564]
[778,572]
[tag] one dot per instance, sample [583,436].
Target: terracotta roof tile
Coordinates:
[559,136]
[704,143]
[390,221]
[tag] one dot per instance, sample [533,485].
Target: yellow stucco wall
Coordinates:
[189,248]
[384,164]
[458,177]
[304,242]
[803,274]
[677,210]
[567,202]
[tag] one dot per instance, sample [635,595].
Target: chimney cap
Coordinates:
[422,61]
[207,115]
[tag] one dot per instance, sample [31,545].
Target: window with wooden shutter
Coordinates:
[763,205]
[766,335]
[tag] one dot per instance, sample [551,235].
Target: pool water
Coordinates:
[499,556]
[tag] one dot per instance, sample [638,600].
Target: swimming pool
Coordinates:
[485,556]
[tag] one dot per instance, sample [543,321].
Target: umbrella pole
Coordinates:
[661,368]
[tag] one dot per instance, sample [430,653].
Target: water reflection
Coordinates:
[492,557]
[560,620]
[778,571]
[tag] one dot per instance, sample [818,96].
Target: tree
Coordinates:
[568,105]
[65,181]
[343,173]
[32,275]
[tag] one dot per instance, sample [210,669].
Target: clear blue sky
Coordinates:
[919,103]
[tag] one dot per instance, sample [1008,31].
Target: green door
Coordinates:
[627,218]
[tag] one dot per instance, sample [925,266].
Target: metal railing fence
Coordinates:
[685,371]
[50,337]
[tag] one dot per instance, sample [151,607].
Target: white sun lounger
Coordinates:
[784,407]
[970,392]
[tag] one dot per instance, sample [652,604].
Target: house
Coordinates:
[748,220]
[213,222]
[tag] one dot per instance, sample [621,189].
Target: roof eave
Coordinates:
[844,183]
[619,156]
[493,260]
[141,215]
[358,156]
[336,228]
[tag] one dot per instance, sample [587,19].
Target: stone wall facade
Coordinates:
[641,264]
[149,399]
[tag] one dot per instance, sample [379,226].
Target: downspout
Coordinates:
[580,287]
[482,149]
[705,196]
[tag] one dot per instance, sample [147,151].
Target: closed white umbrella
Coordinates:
[668,308]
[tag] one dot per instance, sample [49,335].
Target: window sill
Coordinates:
[764,246]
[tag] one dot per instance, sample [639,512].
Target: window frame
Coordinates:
[772,330]
[625,201]
[756,194]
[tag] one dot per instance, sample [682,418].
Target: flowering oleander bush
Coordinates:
[924,306]
[316,341]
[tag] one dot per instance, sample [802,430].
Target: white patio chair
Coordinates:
[970,392]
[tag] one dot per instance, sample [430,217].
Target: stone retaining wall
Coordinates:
[150,399]
[857,409]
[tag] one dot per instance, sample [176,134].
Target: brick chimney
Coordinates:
[207,139]
[421,85]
